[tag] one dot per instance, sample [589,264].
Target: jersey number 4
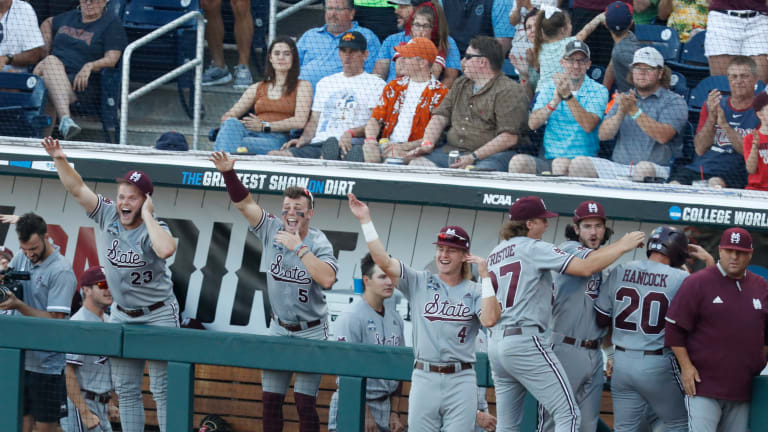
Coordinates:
[511,270]
[635,302]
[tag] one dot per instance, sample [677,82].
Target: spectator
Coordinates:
[377,15]
[486,111]
[341,108]
[688,17]
[584,11]
[470,18]
[6,255]
[645,11]
[756,147]
[428,21]
[716,326]
[318,46]
[48,294]
[618,20]
[415,96]
[572,107]
[368,321]
[649,121]
[22,44]
[521,54]
[280,102]
[553,28]
[723,124]
[78,43]
[89,377]
[217,72]
[737,27]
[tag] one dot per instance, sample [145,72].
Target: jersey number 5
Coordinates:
[645,313]
[303,297]
[513,270]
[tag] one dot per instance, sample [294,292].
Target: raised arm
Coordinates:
[389,265]
[237,192]
[71,180]
[162,242]
[605,256]
[491,308]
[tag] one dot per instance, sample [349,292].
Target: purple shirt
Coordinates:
[755,5]
[725,320]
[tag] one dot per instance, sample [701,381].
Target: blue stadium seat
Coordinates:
[720,82]
[679,84]
[597,73]
[22,105]
[692,62]
[664,39]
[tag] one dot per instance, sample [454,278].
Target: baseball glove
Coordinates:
[214,423]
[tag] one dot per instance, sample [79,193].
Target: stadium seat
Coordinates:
[22,105]
[106,104]
[720,82]
[597,73]
[692,62]
[679,85]
[664,39]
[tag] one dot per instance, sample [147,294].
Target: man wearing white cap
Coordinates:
[647,123]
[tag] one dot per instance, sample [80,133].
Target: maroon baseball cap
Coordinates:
[453,236]
[736,239]
[138,179]
[6,253]
[530,207]
[588,209]
[92,276]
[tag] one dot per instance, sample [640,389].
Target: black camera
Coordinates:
[11,282]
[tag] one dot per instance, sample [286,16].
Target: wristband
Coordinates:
[370,139]
[426,143]
[609,351]
[298,248]
[237,192]
[488,288]
[351,132]
[637,114]
[550,107]
[369,232]
[474,155]
[306,251]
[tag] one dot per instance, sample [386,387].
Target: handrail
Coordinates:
[197,63]
[275,16]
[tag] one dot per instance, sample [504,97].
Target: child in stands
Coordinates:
[756,147]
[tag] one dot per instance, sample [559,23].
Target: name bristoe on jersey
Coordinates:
[573,309]
[293,294]
[520,271]
[637,296]
[137,277]
[445,318]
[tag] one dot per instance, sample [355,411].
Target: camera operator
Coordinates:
[47,295]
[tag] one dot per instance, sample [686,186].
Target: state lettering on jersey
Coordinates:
[446,310]
[645,278]
[124,258]
[288,274]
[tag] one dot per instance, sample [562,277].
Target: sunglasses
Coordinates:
[102,285]
[450,237]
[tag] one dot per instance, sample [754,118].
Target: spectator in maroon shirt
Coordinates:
[716,326]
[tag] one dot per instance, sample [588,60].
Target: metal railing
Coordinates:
[196,63]
[275,16]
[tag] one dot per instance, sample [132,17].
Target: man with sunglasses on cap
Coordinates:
[89,378]
[301,265]
[446,307]
[134,246]
[716,327]
[517,298]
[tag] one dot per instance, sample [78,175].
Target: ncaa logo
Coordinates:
[675,213]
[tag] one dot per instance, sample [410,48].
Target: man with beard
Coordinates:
[134,245]
[48,294]
[301,265]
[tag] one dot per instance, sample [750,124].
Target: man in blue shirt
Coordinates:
[318,47]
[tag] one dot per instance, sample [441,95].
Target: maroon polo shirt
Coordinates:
[725,320]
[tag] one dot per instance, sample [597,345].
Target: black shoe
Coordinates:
[355,153]
[330,149]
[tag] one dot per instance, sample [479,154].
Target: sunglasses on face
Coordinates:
[449,237]
[102,285]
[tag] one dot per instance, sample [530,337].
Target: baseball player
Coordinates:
[89,379]
[517,297]
[445,324]
[367,321]
[134,246]
[635,299]
[575,335]
[301,265]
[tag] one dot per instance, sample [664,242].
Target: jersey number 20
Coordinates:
[513,270]
[645,314]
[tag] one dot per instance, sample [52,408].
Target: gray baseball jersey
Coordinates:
[573,309]
[637,295]
[362,324]
[137,277]
[50,288]
[293,294]
[445,318]
[519,269]
[93,372]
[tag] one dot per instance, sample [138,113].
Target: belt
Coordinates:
[135,313]
[447,369]
[584,343]
[659,351]
[739,14]
[100,398]
[297,327]
[516,331]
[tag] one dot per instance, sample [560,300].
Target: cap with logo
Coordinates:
[418,47]
[530,207]
[92,276]
[618,16]
[736,239]
[453,236]
[6,253]
[353,40]
[138,179]
[575,46]
[588,209]
[649,56]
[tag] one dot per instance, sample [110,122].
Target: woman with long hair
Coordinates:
[280,102]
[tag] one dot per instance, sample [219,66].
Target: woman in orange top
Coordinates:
[280,102]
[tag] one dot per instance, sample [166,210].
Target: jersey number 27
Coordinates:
[512,271]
